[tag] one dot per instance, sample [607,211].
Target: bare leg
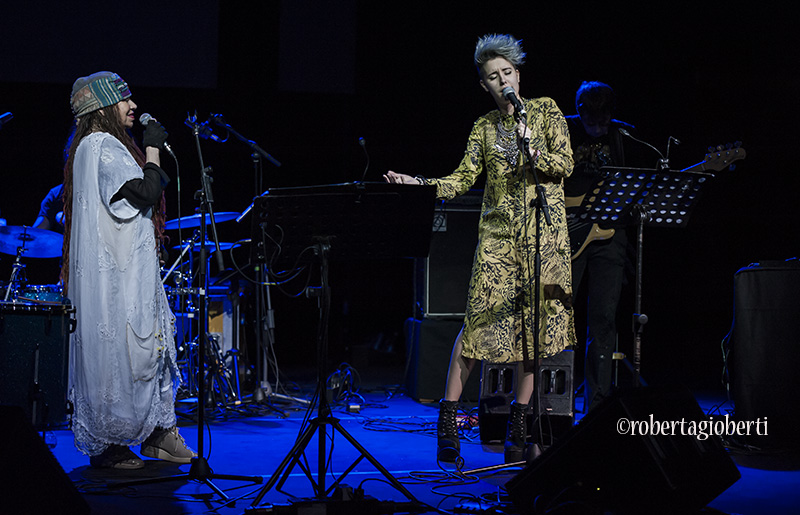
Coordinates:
[459,370]
[524,386]
[448,444]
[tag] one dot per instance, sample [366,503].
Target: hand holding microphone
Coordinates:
[154,133]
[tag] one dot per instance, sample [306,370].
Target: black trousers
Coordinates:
[602,266]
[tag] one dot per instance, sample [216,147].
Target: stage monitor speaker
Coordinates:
[430,343]
[498,381]
[670,468]
[765,351]
[443,277]
[31,479]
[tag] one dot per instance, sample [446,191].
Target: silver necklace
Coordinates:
[506,143]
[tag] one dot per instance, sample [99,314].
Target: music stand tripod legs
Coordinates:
[324,417]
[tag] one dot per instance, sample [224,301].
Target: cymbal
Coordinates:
[188,222]
[209,244]
[37,243]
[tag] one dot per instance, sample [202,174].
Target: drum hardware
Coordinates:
[220,372]
[30,242]
[221,369]
[17,274]
[186,247]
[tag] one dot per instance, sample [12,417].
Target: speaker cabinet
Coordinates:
[765,351]
[31,479]
[556,396]
[34,347]
[430,343]
[600,463]
[443,277]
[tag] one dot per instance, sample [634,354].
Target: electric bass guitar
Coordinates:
[582,233]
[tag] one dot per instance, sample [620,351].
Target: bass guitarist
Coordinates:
[598,253]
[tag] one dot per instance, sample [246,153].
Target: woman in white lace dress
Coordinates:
[123,374]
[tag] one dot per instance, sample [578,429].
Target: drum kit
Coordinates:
[221,362]
[23,241]
[35,322]
[221,356]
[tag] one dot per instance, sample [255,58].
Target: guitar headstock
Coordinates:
[719,158]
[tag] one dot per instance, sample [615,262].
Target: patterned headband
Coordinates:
[96,91]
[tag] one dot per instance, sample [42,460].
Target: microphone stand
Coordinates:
[639,318]
[266,319]
[642,217]
[200,469]
[541,208]
[252,144]
[265,333]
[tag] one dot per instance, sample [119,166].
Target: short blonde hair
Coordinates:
[499,45]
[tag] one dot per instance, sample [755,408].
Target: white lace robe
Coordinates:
[123,373]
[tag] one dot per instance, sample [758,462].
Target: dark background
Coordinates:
[306,81]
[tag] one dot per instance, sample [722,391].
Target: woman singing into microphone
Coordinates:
[498,326]
[123,373]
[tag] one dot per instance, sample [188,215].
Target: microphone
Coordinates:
[364,146]
[206,132]
[511,96]
[144,120]
[671,140]
[5,118]
[664,161]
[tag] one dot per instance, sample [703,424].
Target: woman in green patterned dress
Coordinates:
[498,325]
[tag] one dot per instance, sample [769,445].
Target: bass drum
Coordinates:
[48,294]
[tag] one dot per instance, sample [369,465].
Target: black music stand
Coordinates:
[337,222]
[656,198]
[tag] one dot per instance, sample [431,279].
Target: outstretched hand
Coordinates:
[400,178]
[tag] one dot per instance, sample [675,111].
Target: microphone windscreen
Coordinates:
[145,118]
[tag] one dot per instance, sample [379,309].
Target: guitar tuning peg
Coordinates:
[720,148]
[737,144]
[710,149]
[728,146]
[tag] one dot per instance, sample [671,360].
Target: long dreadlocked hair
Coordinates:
[107,120]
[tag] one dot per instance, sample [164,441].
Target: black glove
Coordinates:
[154,135]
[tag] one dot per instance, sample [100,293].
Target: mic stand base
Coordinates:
[199,471]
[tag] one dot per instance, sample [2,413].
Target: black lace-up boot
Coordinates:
[517,433]
[449,446]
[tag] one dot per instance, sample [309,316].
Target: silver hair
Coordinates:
[499,45]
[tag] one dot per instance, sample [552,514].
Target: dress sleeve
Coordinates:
[553,142]
[472,165]
[116,167]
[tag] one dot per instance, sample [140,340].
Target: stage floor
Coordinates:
[397,431]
